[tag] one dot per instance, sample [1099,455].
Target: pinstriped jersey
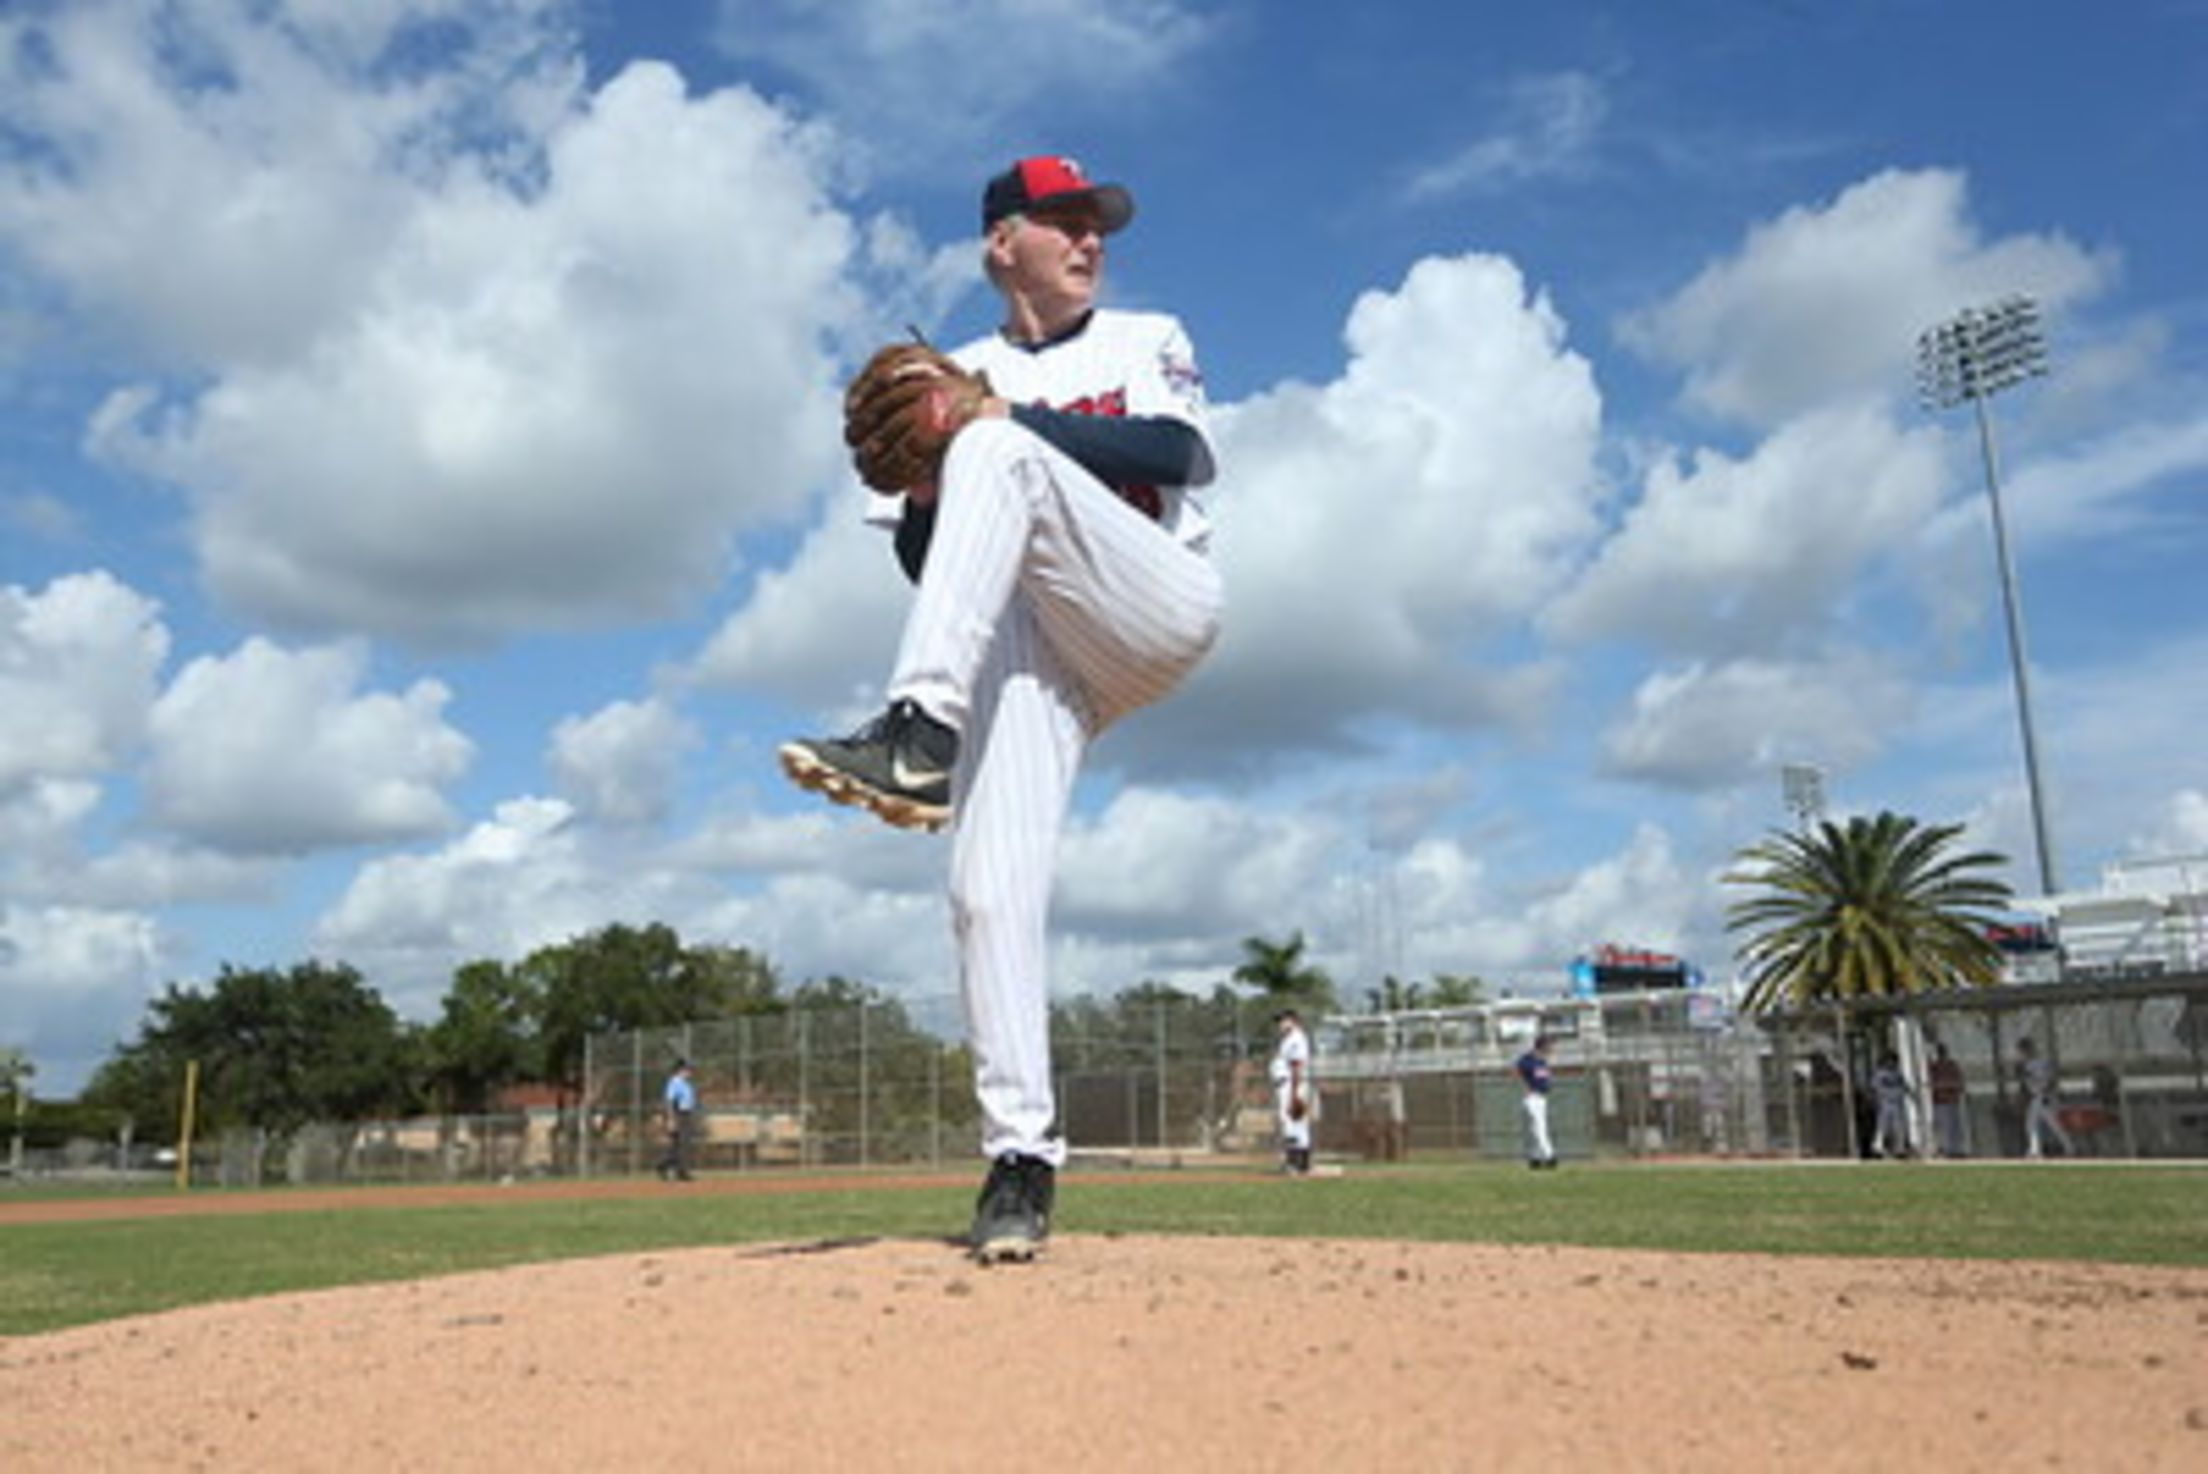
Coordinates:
[1117,363]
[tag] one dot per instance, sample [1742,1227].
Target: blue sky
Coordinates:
[421,507]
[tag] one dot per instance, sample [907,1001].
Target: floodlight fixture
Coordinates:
[1979,352]
[1802,785]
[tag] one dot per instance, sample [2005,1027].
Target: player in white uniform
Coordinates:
[1295,1096]
[1063,582]
[1535,1079]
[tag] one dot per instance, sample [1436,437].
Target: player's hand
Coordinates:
[902,412]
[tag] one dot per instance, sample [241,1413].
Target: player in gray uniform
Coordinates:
[1893,1136]
[1063,580]
[2036,1072]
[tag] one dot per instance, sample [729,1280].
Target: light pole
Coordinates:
[1803,786]
[1980,352]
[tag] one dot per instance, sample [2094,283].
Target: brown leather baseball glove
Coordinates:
[900,413]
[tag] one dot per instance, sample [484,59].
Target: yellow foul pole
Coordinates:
[184,1138]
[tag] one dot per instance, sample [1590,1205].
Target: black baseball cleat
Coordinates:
[898,766]
[1012,1215]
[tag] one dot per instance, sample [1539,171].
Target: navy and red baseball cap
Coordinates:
[1050,179]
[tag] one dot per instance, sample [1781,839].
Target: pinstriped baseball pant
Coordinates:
[1295,1134]
[1534,1113]
[1048,609]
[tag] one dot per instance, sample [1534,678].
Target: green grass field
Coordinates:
[70,1273]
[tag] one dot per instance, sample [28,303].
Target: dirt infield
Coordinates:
[1151,1353]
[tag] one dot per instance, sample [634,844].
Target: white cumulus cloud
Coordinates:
[2183,829]
[79,666]
[443,350]
[270,750]
[71,979]
[1827,301]
[1721,725]
[619,764]
[1747,553]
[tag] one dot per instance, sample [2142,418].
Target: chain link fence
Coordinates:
[868,1085]
[850,1085]
[1671,1073]
[1170,1077]
[2130,1058]
[1640,1074]
[1677,1073]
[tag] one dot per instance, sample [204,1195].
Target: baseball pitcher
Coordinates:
[1040,484]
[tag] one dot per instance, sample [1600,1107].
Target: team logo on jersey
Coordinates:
[1112,404]
[1181,375]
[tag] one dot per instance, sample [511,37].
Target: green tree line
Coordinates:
[277,1048]
[1874,905]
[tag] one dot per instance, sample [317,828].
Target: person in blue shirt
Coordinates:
[1533,1074]
[679,1109]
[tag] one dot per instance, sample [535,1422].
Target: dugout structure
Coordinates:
[2131,1058]
[1680,1074]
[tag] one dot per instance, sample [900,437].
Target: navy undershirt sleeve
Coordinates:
[1131,450]
[1120,451]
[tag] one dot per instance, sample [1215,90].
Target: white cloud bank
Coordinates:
[462,351]
[78,667]
[620,763]
[271,750]
[1826,302]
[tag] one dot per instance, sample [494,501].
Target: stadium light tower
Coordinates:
[1802,785]
[1977,353]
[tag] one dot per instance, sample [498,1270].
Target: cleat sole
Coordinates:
[835,785]
[1008,1251]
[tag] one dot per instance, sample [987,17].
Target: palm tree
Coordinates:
[1277,970]
[1877,906]
[1456,990]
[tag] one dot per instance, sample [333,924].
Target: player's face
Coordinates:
[1056,254]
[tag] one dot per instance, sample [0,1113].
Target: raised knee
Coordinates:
[990,442]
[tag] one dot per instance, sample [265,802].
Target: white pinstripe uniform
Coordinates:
[1290,1072]
[1050,607]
